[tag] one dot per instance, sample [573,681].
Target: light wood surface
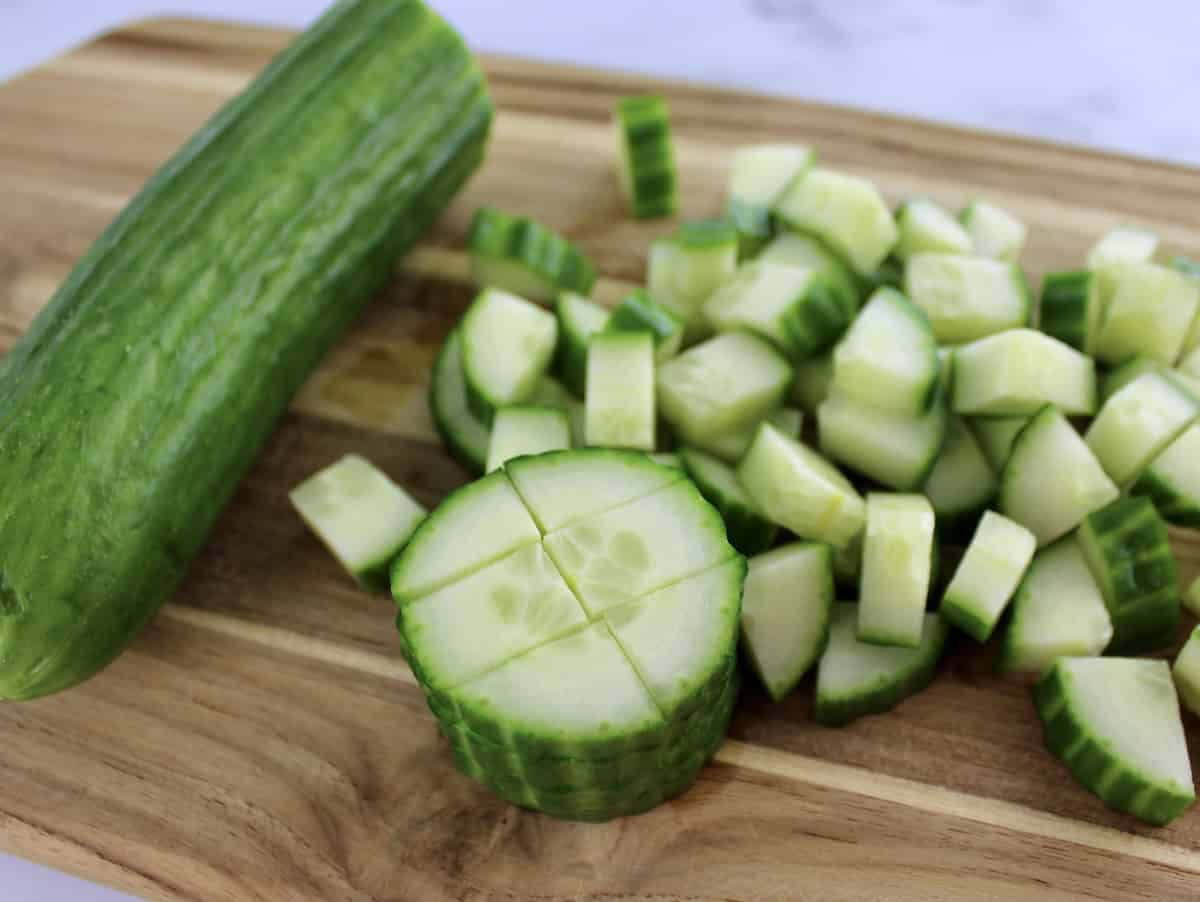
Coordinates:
[264,741]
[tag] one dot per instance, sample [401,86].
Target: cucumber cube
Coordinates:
[1148,310]
[1124,244]
[967,298]
[994,231]
[987,576]
[527,429]
[896,569]
[1172,480]
[687,267]
[926,227]
[758,176]
[1014,373]
[507,346]
[620,407]
[1138,422]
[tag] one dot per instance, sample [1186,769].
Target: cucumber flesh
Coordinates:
[620,405]
[552,393]
[466,434]
[578,320]
[1172,480]
[527,429]
[507,343]
[525,258]
[994,232]
[967,298]
[687,267]
[814,378]
[732,446]
[646,168]
[758,176]
[1138,365]
[1138,422]
[748,529]
[896,569]
[1186,672]
[996,436]
[639,312]
[1014,373]
[1124,244]
[987,576]
[798,249]
[961,481]
[1148,310]
[1071,308]
[926,227]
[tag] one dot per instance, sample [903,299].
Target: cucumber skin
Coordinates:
[1064,313]
[467,451]
[749,531]
[1173,507]
[545,253]
[128,419]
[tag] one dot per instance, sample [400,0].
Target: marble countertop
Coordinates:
[1102,73]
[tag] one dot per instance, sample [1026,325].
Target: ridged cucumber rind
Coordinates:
[1070,308]
[466,435]
[646,156]
[638,312]
[541,261]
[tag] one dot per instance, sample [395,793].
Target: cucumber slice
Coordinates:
[620,391]
[360,515]
[987,576]
[800,490]
[1071,308]
[1052,479]
[748,529]
[723,384]
[1124,244]
[814,378]
[888,358]
[687,267]
[996,436]
[1127,547]
[1172,480]
[967,298]
[525,258]
[1186,672]
[1148,311]
[467,435]
[856,678]
[1014,373]
[646,169]
[732,446]
[961,482]
[896,569]
[578,320]
[846,212]
[527,429]
[758,176]
[1058,612]
[507,343]
[798,249]
[667,459]
[926,227]
[994,232]
[639,312]
[1138,422]
[785,613]
[1115,723]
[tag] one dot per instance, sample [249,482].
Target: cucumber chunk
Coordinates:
[466,435]
[996,436]
[785,613]
[507,343]
[525,258]
[1136,423]
[687,267]
[620,407]
[578,320]
[1172,480]
[994,232]
[552,393]
[1148,310]
[1186,672]
[1071,308]
[926,227]
[527,429]
[758,176]
[732,446]
[646,169]
[856,678]
[987,576]
[961,482]
[1127,547]
[1138,365]
[814,378]
[1014,373]
[1115,723]
[639,312]
[896,569]
[798,249]
[967,298]
[1124,244]
[748,529]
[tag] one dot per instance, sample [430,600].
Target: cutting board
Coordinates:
[263,740]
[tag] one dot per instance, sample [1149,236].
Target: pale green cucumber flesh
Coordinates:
[1138,422]
[897,568]
[926,227]
[1186,672]
[967,298]
[1014,373]
[620,406]
[507,343]
[994,231]
[1172,480]
[894,449]
[962,481]
[987,576]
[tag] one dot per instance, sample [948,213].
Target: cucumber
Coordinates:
[1148,310]
[507,343]
[620,406]
[1189,365]
[785,613]
[1139,364]
[527,429]
[686,268]
[798,249]
[1138,422]
[926,227]
[667,459]
[1172,480]
[967,298]
[846,212]
[847,565]
[856,678]
[1071,308]
[961,482]
[1185,671]
[897,566]
[800,490]
[1127,547]
[1124,244]
[814,377]
[144,389]
[890,274]
[1115,723]
[994,232]
[578,320]
[894,449]
[749,531]
[732,446]
[996,436]
[525,258]
[987,576]
[646,167]
[757,177]
[466,434]
[1014,373]
[552,393]
[639,312]
[1058,612]
[1052,479]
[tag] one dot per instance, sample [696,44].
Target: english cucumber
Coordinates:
[686,267]
[523,257]
[897,566]
[987,576]
[1071,308]
[994,231]
[646,168]
[926,228]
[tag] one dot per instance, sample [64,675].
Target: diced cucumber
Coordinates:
[966,297]
[988,575]
[507,343]
[888,357]
[856,678]
[1127,547]
[1172,480]
[800,490]
[1148,310]
[1124,244]
[552,393]
[798,249]
[994,232]
[527,429]
[785,613]
[638,312]
[1014,373]
[996,436]
[926,227]
[748,529]
[722,384]
[1186,672]
[578,320]
[890,274]
[1071,308]
[525,258]
[646,155]
[961,482]
[814,376]
[896,569]
[897,450]
[758,176]
[620,407]
[1138,422]
[846,212]
[466,434]
[687,267]
[1115,723]
[732,446]
[847,565]
[667,459]
[1051,480]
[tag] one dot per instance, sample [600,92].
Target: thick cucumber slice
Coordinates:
[856,678]
[814,378]
[1014,373]
[1115,723]
[1172,480]
[646,168]
[1138,422]
[897,450]
[578,320]
[1127,547]
[525,258]
[1124,244]
[507,343]
[758,176]
[1052,479]
[967,298]
[987,576]
[1148,310]
[800,490]
[527,429]
[725,383]
[994,232]
[732,446]
[888,358]
[798,249]
[926,227]
[896,569]
[360,515]
[996,436]
[748,529]
[620,406]
[785,613]
[467,435]
[1071,308]
[639,312]
[1186,672]
[961,481]
[846,212]
[687,267]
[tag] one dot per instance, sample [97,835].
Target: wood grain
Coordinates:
[264,741]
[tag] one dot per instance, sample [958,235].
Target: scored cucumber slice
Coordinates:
[732,446]
[1052,479]
[895,449]
[527,429]
[994,231]
[798,249]
[687,267]
[1115,723]
[814,378]
[639,312]
[988,575]
[965,297]
[896,569]
[1138,422]
[1071,308]
[749,530]
[507,343]
[1172,480]
[785,613]
[466,434]
[926,227]
[1127,547]
[1014,373]
[856,678]
[646,168]
[524,257]
[1124,244]
[758,176]
[620,407]
[1148,310]
[1186,671]
[996,436]
[578,320]
[961,481]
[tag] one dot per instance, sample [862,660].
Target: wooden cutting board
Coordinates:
[264,741]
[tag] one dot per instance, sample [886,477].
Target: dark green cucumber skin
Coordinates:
[817,323]
[542,250]
[143,391]
[639,312]
[1064,307]
[1174,507]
